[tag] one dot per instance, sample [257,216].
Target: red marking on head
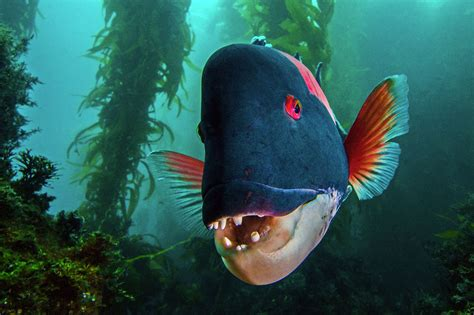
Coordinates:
[311,83]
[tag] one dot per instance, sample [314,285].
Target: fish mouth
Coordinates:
[263,246]
[243,198]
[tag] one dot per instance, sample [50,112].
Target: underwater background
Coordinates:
[89,88]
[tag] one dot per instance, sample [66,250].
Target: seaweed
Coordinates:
[47,265]
[16,84]
[141,51]
[43,271]
[292,26]
[456,254]
[229,22]
[20,16]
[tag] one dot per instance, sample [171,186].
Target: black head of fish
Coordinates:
[259,159]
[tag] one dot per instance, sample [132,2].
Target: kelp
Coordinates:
[50,265]
[15,83]
[230,25]
[456,254]
[346,88]
[19,15]
[292,26]
[47,265]
[141,51]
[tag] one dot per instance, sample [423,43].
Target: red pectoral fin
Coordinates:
[182,175]
[372,158]
[182,167]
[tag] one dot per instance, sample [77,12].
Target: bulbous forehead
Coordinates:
[247,132]
[257,72]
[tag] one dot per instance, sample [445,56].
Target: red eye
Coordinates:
[293,107]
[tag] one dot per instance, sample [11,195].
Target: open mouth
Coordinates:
[238,198]
[266,233]
[262,249]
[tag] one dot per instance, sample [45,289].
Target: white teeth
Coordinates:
[241,247]
[209,227]
[265,230]
[215,225]
[255,236]
[227,242]
[222,223]
[237,220]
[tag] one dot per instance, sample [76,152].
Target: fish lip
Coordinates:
[242,197]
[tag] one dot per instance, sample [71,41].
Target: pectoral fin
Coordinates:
[182,174]
[372,158]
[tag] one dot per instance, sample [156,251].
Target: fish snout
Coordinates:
[246,198]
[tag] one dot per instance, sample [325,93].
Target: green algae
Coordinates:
[292,26]
[456,254]
[20,16]
[138,63]
[47,264]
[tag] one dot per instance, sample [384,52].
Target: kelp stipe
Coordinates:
[138,62]
[20,16]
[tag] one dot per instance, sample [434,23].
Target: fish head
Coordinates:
[274,162]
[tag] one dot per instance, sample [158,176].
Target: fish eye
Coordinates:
[293,107]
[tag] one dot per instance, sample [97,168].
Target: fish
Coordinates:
[278,164]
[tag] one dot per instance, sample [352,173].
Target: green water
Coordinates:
[388,255]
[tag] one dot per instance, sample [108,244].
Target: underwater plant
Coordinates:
[456,255]
[46,264]
[20,16]
[227,14]
[16,84]
[292,26]
[141,51]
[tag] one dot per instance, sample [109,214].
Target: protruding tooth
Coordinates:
[215,225]
[222,223]
[243,246]
[238,220]
[210,226]
[238,247]
[255,236]
[227,242]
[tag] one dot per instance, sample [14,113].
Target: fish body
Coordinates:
[277,163]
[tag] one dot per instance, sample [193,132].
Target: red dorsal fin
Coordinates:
[372,158]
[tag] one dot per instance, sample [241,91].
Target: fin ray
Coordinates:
[372,158]
[183,176]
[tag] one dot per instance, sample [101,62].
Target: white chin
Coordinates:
[287,241]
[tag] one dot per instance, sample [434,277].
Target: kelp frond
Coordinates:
[141,51]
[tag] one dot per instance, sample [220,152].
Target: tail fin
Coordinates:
[183,176]
[372,158]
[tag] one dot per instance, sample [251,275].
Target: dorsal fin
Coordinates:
[317,74]
[298,57]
